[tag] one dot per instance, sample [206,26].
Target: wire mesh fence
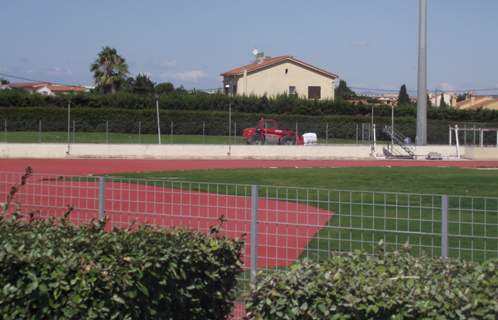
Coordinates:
[205,132]
[281,224]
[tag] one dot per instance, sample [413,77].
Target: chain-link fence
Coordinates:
[204,132]
[282,224]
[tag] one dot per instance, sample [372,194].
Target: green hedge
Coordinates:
[384,286]
[283,104]
[52,269]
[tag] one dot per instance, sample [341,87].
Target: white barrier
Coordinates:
[189,151]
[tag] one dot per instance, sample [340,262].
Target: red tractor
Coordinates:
[266,130]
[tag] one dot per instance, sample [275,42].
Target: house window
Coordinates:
[286,71]
[314,92]
[292,89]
[234,89]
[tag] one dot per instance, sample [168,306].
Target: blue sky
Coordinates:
[369,44]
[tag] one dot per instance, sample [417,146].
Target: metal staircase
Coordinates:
[398,138]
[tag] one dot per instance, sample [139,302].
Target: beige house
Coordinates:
[285,74]
[475,102]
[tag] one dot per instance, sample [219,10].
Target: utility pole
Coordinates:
[421,138]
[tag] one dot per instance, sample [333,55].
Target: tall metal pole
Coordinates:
[227,86]
[158,124]
[230,127]
[392,128]
[68,126]
[421,138]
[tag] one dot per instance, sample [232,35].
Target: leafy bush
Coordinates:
[52,269]
[384,286]
[283,104]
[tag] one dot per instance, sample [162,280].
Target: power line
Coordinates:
[463,90]
[8,75]
[32,80]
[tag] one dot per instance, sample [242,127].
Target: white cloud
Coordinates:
[163,65]
[188,76]
[358,43]
[448,87]
[58,72]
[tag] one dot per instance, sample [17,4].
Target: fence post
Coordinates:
[296,134]
[254,232]
[357,133]
[474,143]
[465,134]
[101,198]
[74,131]
[203,130]
[444,225]
[362,133]
[139,131]
[235,133]
[5,130]
[171,132]
[327,134]
[106,131]
[449,126]
[39,131]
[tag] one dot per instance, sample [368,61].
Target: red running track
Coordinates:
[103,166]
[284,228]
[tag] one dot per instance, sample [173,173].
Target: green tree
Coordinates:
[143,85]
[403,97]
[3,81]
[442,103]
[181,89]
[109,70]
[344,92]
[429,102]
[462,97]
[128,84]
[165,87]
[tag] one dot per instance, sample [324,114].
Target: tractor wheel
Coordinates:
[288,140]
[257,140]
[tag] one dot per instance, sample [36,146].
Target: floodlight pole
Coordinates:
[229,121]
[158,124]
[68,126]
[392,128]
[421,138]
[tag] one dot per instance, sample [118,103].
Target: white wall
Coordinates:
[273,80]
[179,151]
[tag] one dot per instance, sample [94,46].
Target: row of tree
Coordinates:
[110,72]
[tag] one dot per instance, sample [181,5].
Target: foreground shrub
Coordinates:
[52,269]
[384,286]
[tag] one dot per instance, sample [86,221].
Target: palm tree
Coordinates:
[108,70]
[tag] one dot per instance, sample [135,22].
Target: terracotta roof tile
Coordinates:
[65,88]
[270,61]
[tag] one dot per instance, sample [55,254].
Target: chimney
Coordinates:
[453,100]
[260,57]
[472,99]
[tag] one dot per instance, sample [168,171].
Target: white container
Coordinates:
[310,139]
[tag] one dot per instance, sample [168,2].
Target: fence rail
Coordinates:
[282,224]
[203,132]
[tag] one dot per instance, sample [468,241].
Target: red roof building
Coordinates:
[279,75]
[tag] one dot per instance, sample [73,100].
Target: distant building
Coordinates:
[389,98]
[285,74]
[436,100]
[475,102]
[45,88]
